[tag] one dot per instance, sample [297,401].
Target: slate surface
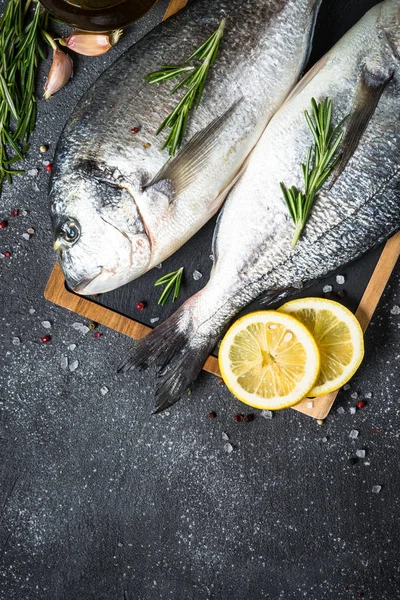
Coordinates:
[100,500]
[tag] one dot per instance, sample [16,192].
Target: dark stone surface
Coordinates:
[102,501]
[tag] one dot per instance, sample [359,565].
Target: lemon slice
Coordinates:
[339,337]
[269,360]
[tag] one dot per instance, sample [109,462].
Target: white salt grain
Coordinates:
[353,410]
[395,310]
[72,347]
[32,311]
[354,395]
[354,434]
[225,436]
[360,453]
[64,362]
[211,257]
[267,414]
[376,489]
[154,320]
[228,447]
[81,328]
[46,324]
[104,390]
[340,279]
[32,172]
[327,288]
[16,341]
[341,410]
[324,439]
[346,387]
[197,275]
[73,366]
[26,236]
[368,395]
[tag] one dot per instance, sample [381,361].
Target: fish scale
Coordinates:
[357,210]
[265,46]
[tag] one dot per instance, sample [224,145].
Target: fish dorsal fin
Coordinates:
[369,91]
[308,77]
[183,169]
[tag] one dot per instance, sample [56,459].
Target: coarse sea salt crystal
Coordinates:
[340,279]
[72,347]
[64,362]
[327,288]
[353,434]
[395,310]
[211,257]
[341,410]
[154,320]
[353,410]
[32,311]
[267,414]
[225,436]
[46,324]
[360,453]
[81,328]
[104,390]
[159,266]
[197,275]
[324,439]
[346,387]
[228,447]
[16,341]
[368,395]
[73,366]
[26,236]
[376,489]
[354,395]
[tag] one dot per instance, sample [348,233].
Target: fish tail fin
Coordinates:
[179,348]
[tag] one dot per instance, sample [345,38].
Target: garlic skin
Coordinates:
[61,71]
[91,44]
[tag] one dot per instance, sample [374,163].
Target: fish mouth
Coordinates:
[79,286]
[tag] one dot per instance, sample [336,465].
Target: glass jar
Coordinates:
[98,15]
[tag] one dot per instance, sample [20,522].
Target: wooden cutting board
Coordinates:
[317,408]
[363,303]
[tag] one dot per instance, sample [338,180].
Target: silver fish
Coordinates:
[118,206]
[358,210]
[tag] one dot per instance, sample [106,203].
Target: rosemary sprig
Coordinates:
[20,50]
[321,160]
[172,282]
[194,80]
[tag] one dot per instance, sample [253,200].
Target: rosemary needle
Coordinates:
[172,282]
[194,79]
[321,160]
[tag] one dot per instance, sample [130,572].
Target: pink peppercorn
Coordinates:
[15,212]
[361,404]
[3,224]
[135,130]
[49,167]
[140,305]
[97,335]
[238,418]
[46,339]
[7,254]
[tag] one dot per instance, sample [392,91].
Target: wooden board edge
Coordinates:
[173,7]
[317,408]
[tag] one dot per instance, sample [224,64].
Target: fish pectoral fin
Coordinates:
[369,91]
[181,170]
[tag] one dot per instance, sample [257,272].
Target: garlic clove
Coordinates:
[61,72]
[91,44]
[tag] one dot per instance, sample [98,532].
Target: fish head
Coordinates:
[389,22]
[98,234]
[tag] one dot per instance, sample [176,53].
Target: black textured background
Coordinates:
[100,500]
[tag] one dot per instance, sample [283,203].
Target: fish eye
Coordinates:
[70,231]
